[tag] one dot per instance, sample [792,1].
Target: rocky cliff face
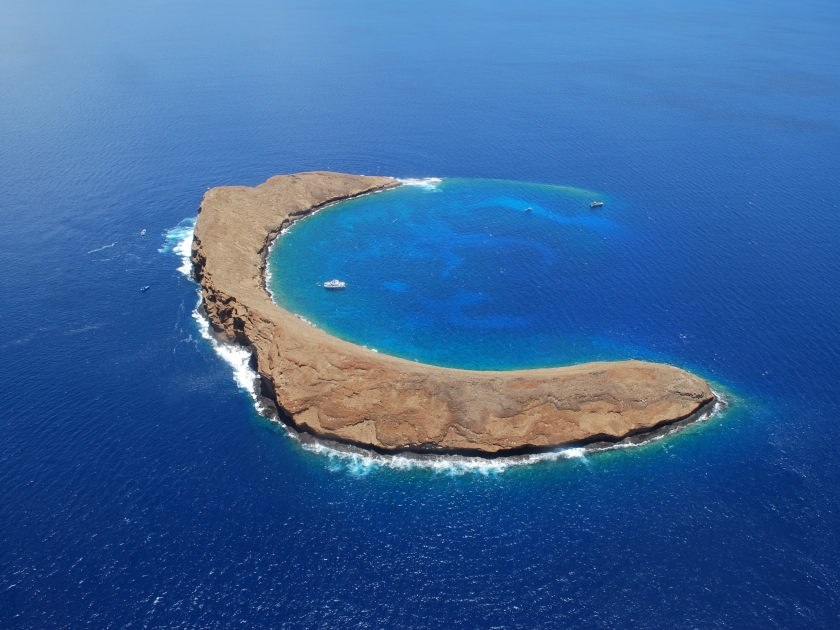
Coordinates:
[341,391]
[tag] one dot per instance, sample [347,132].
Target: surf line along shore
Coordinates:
[337,390]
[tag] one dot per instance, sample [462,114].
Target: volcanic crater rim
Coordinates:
[342,392]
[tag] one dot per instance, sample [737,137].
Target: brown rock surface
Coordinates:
[337,390]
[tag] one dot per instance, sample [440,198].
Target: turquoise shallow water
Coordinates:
[481,274]
[459,272]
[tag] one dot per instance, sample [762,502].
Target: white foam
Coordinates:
[237,357]
[267,276]
[303,319]
[429,183]
[574,453]
[721,403]
[361,464]
[179,240]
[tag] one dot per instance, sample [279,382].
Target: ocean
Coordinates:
[140,487]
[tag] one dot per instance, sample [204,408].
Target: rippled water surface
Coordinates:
[140,488]
[466,273]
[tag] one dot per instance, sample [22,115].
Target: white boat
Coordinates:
[528,209]
[335,284]
[596,204]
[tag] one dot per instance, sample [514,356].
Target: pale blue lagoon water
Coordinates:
[140,488]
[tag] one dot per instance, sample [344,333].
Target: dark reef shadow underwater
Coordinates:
[141,488]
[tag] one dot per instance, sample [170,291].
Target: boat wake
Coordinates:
[358,461]
[99,249]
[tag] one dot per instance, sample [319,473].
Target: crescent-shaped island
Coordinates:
[336,390]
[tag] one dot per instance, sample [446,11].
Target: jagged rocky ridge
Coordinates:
[341,391]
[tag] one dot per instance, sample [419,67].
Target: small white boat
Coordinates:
[335,284]
[596,204]
[144,289]
[143,232]
[528,209]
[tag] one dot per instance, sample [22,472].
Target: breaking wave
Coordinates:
[179,240]
[363,463]
[429,183]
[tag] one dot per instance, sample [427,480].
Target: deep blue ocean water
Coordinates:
[139,487]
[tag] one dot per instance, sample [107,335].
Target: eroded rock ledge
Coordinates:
[341,391]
